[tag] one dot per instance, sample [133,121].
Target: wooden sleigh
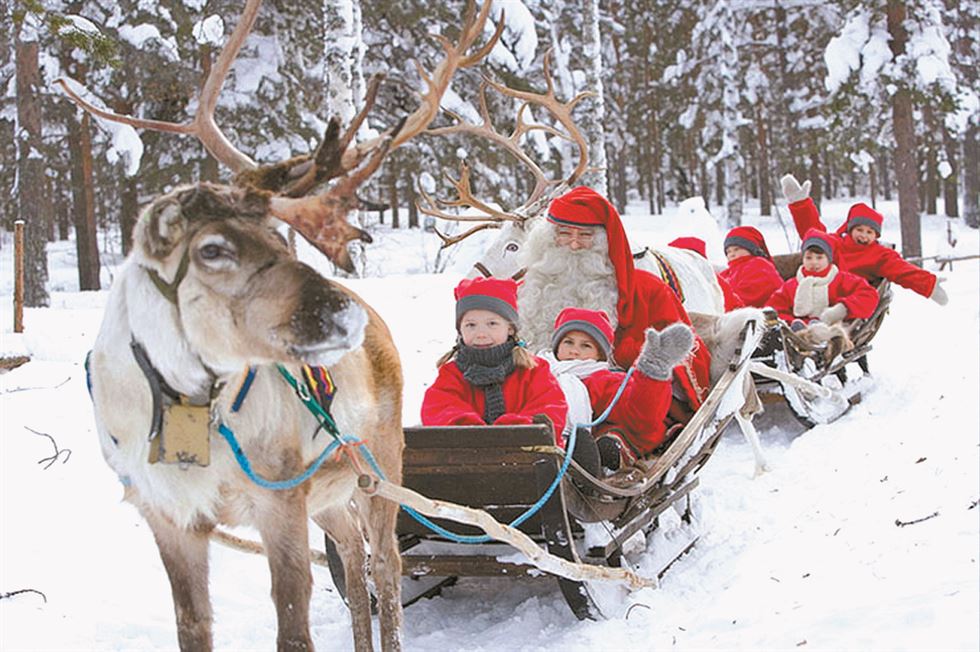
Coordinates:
[504,470]
[817,389]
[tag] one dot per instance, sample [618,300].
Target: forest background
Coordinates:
[693,97]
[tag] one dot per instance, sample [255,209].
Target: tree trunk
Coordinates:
[32,195]
[393,192]
[931,162]
[816,190]
[128,211]
[339,53]
[413,210]
[904,129]
[594,107]
[873,180]
[86,233]
[950,183]
[765,187]
[886,182]
[971,175]
[720,183]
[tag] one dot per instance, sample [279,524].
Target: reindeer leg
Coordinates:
[386,569]
[282,526]
[185,557]
[342,526]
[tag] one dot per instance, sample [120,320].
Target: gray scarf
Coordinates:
[487,369]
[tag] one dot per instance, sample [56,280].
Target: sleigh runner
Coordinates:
[505,470]
[818,388]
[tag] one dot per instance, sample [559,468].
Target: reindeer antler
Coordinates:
[321,219]
[544,189]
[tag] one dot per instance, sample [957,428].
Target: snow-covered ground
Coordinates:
[810,555]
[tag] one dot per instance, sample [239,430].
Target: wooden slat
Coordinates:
[493,437]
[468,566]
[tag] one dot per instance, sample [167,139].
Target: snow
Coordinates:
[210,31]
[811,555]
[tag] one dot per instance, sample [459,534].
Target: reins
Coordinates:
[346,442]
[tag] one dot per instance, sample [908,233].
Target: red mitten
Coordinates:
[512,420]
[470,419]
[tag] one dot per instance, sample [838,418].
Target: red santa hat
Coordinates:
[748,238]
[498,295]
[583,207]
[817,239]
[594,323]
[691,243]
[862,215]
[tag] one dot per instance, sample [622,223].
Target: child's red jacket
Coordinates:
[453,401]
[871,261]
[850,289]
[640,412]
[754,279]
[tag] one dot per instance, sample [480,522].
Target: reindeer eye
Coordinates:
[512,247]
[213,251]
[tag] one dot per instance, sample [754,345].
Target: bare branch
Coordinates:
[57,451]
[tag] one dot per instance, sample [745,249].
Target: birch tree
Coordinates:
[595,107]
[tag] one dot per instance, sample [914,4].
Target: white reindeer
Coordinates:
[211,290]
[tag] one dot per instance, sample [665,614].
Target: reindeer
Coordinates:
[689,274]
[207,305]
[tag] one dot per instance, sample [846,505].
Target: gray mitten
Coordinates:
[664,350]
[938,293]
[793,191]
[834,313]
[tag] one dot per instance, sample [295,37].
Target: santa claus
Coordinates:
[579,256]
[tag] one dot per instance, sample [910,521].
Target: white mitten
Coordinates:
[664,350]
[793,191]
[834,313]
[938,293]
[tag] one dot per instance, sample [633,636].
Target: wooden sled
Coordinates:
[823,364]
[506,469]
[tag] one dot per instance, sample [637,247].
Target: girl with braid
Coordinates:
[489,378]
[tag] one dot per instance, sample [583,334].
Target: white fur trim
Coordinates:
[570,374]
[812,295]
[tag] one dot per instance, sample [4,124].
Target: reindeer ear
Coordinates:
[161,226]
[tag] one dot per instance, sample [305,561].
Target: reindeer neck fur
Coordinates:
[154,322]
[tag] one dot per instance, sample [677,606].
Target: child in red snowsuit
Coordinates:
[581,359]
[820,290]
[732,300]
[857,243]
[488,378]
[751,271]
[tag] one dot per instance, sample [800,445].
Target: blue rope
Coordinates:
[279,484]
[246,467]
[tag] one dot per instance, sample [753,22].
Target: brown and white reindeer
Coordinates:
[212,290]
[691,275]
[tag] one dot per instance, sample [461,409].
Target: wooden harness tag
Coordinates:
[185,438]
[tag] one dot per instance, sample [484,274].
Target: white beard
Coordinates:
[559,278]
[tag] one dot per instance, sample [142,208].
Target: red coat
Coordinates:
[453,401]
[656,305]
[640,412]
[871,261]
[754,279]
[853,291]
[732,300]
